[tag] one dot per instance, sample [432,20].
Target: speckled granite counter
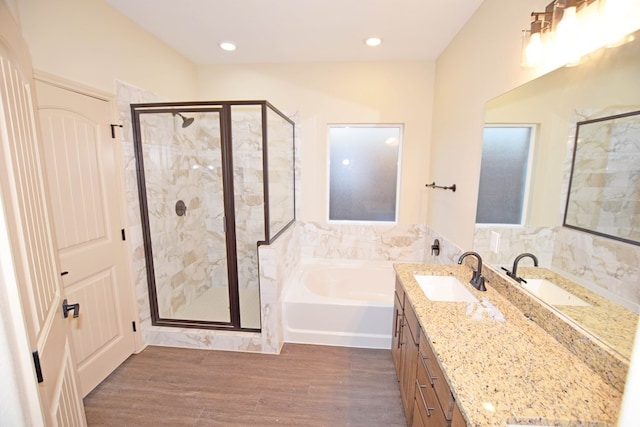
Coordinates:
[502,367]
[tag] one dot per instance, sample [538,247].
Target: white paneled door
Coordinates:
[35,272]
[81,159]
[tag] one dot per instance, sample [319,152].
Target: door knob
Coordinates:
[66,308]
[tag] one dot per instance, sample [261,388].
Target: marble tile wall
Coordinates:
[449,251]
[278,263]
[246,134]
[514,240]
[604,265]
[184,164]
[403,243]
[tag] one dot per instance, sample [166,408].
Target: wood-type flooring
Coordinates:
[305,385]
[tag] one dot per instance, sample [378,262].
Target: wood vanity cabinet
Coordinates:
[398,320]
[426,397]
[404,349]
[410,341]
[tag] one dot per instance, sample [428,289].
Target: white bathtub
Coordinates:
[341,303]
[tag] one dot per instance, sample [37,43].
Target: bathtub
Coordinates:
[341,303]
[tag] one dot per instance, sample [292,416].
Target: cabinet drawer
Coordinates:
[434,376]
[426,405]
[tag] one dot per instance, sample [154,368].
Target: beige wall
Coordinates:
[324,93]
[89,42]
[482,62]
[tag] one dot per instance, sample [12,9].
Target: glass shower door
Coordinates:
[182,184]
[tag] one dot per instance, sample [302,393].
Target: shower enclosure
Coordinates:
[215,181]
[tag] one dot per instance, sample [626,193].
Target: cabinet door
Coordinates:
[396,339]
[417,416]
[409,361]
[458,419]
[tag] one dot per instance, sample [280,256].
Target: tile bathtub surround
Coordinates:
[503,368]
[375,242]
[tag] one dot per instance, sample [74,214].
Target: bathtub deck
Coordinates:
[304,385]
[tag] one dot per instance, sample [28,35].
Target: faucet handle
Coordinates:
[509,273]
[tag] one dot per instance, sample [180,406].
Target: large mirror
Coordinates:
[603,85]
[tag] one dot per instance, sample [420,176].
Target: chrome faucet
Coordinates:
[513,273]
[477,280]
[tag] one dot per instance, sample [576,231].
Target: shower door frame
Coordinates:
[223,108]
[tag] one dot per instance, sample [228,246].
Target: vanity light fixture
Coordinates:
[373,41]
[533,39]
[227,45]
[570,29]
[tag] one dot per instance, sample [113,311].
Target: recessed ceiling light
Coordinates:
[228,46]
[373,41]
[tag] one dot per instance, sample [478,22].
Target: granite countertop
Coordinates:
[502,367]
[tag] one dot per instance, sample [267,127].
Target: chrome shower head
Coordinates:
[186,121]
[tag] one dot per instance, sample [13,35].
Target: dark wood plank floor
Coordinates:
[303,386]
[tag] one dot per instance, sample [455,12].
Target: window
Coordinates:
[504,174]
[363,172]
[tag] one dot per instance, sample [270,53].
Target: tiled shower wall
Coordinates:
[246,129]
[184,164]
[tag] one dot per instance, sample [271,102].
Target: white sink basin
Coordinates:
[551,293]
[444,288]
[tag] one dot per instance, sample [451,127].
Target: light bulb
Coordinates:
[533,51]
[617,16]
[567,36]
[568,26]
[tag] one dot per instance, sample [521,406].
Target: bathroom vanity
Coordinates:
[486,362]
[425,394]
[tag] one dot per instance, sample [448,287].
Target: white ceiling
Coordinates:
[301,30]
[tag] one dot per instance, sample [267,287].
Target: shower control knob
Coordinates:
[181,208]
